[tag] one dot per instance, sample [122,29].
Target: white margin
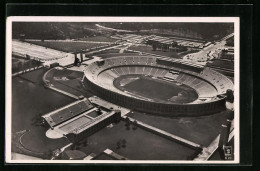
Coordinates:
[8,83]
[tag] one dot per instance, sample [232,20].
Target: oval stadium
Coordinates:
[161,86]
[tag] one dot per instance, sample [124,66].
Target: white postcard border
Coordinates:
[8,83]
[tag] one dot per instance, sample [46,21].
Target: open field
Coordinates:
[202,130]
[109,55]
[140,144]
[149,49]
[99,39]
[67,46]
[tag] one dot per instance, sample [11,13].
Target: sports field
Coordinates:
[68,81]
[157,90]
[67,46]
[114,53]
[36,141]
[99,39]
[149,49]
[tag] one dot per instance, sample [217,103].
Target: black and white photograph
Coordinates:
[122,90]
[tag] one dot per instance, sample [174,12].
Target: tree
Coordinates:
[230,96]
[135,125]
[20,66]
[72,147]
[154,47]
[85,143]
[37,120]
[127,120]
[48,154]
[30,65]
[123,143]
[165,47]
[118,144]
[174,44]
[127,123]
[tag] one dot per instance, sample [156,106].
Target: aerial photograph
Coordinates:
[122,91]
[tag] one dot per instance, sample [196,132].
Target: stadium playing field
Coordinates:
[155,89]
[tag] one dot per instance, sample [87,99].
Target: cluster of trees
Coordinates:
[49,30]
[162,47]
[48,154]
[230,96]
[52,31]
[209,31]
[121,143]
[165,47]
[230,42]
[37,120]
[128,124]
[25,64]
[79,144]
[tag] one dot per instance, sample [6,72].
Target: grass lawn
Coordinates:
[67,46]
[149,49]
[140,144]
[99,39]
[109,55]
[202,130]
